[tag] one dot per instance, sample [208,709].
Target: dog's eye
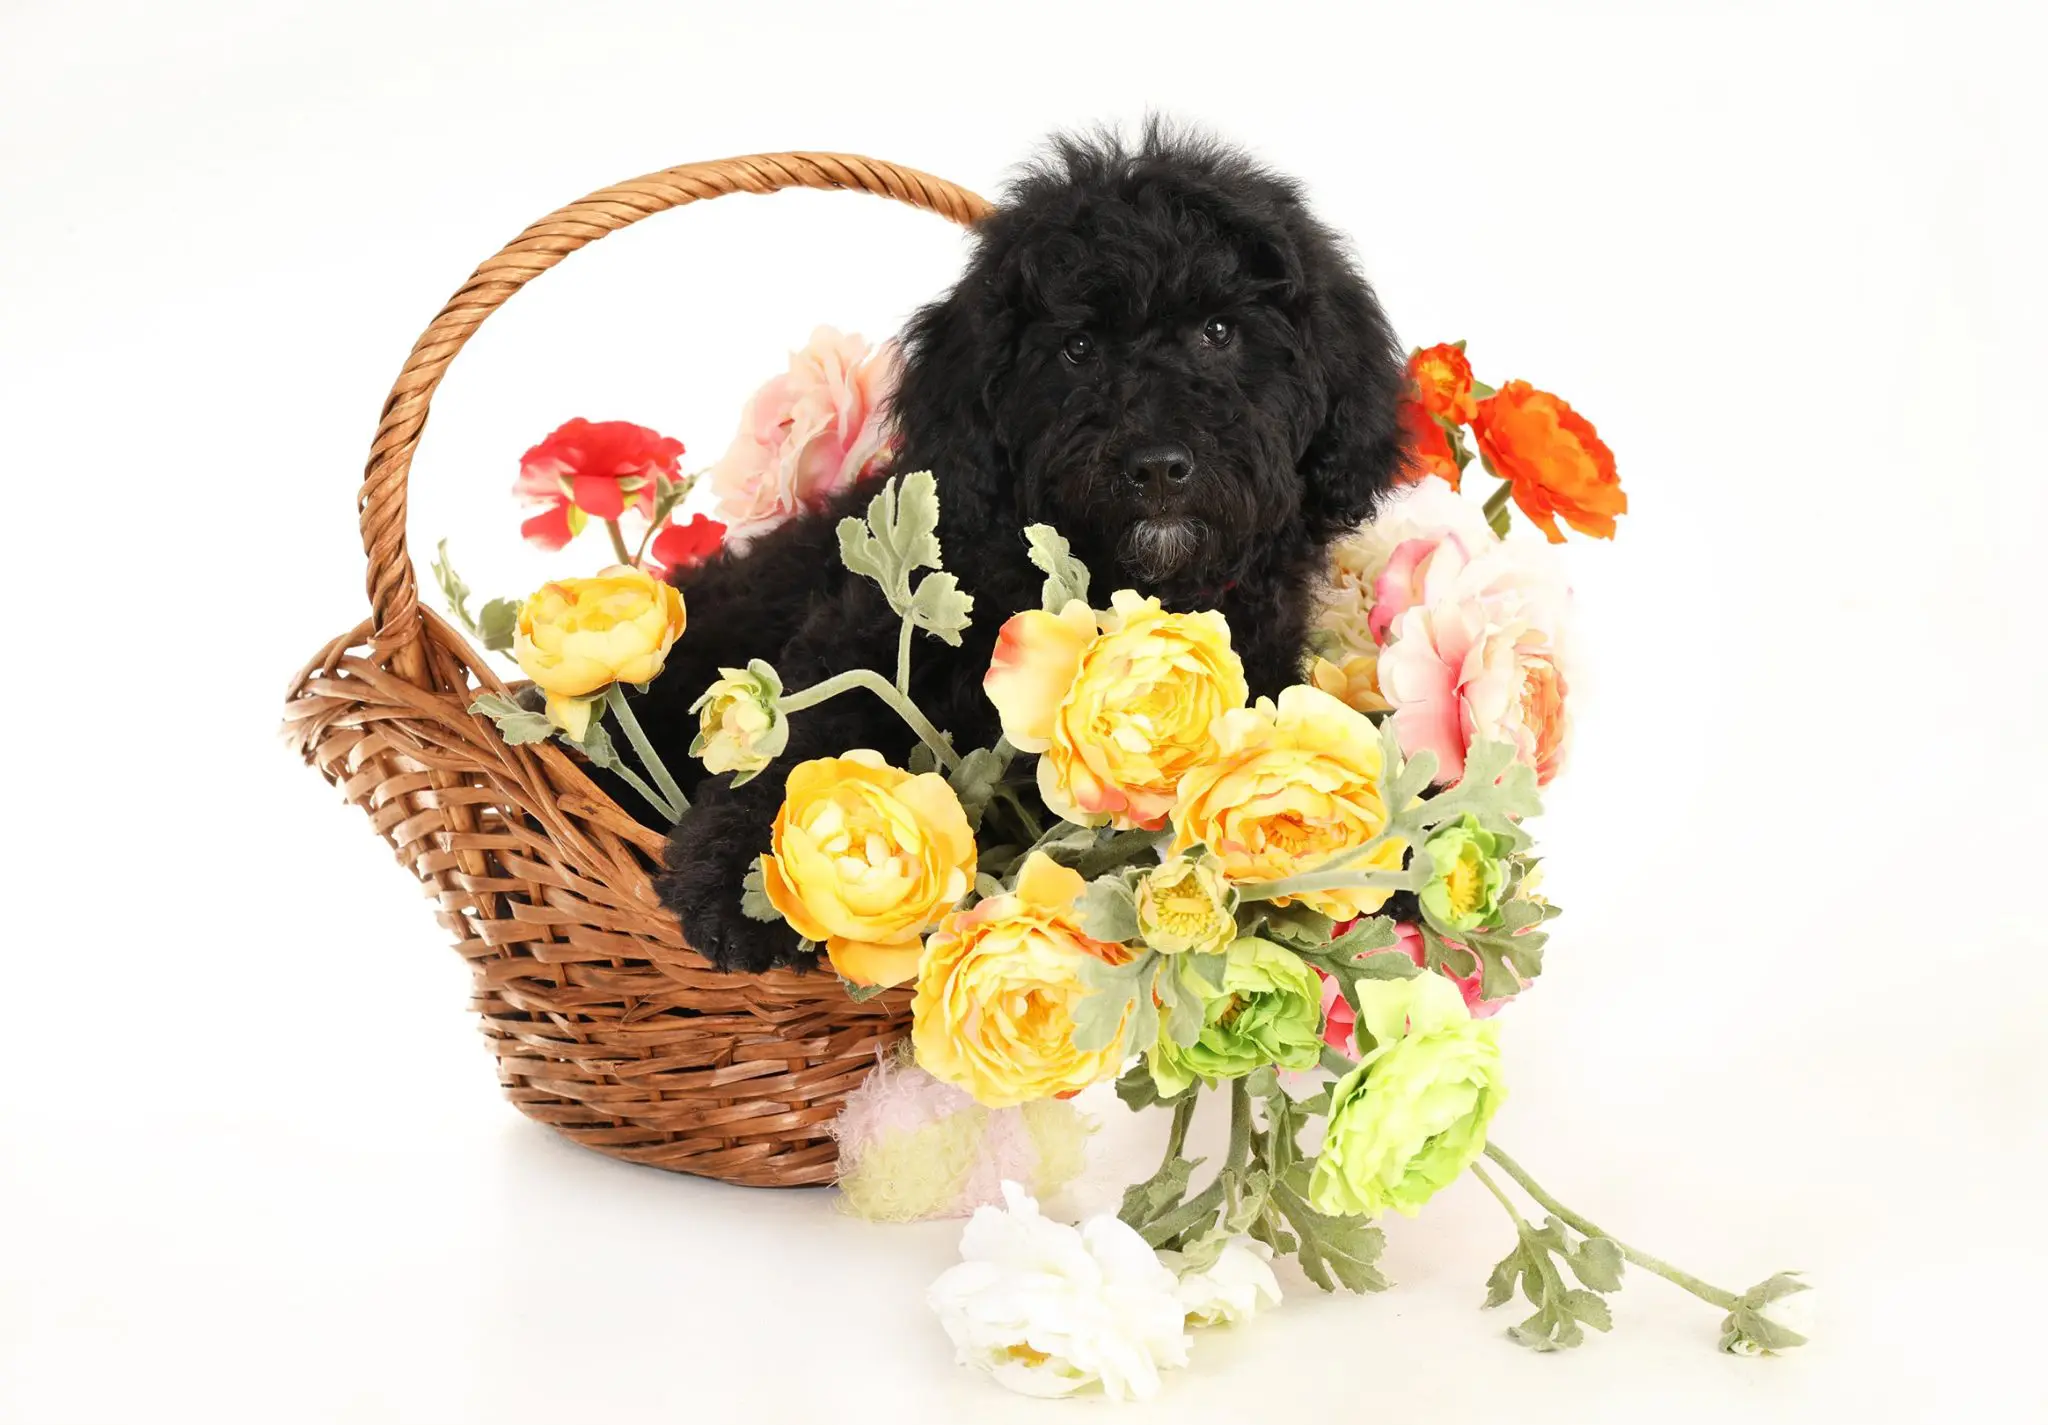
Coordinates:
[1078,348]
[1218,331]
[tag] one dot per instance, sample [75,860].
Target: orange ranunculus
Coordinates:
[1553,458]
[1443,382]
[1428,447]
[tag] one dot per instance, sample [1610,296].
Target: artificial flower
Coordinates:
[740,726]
[1267,1010]
[576,637]
[863,856]
[1236,1288]
[1119,705]
[1414,1113]
[996,992]
[913,1148]
[1442,380]
[1552,458]
[1428,446]
[1340,1024]
[808,434]
[1049,1310]
[1467,876]
[1772,1316]
[684,546]
[591,469]
[1290,786]
[1185,906]
[1426,512]
[1355,682]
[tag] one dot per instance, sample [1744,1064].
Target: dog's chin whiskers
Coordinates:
[1155,550]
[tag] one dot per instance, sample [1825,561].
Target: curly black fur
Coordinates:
[1210,465]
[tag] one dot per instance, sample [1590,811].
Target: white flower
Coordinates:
[1238,1287]
[1774,1316]
[1048,1310]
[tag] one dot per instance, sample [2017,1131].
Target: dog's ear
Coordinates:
[1355,452]
[942,409]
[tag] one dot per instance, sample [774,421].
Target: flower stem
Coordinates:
[1502,1198]
[878,685]
[654,798]
[1413,879]
[903,658]
[618,541]
[1496,510]
[615,699]
[1177,1135]
[1705,1291]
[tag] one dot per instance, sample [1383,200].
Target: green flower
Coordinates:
[740,724]
[1413,1114]
[1467,877]
[1269,1010]
[1186,907]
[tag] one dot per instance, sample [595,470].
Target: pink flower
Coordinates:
[684,546]
[591,468]
[808,434]
[1478,653]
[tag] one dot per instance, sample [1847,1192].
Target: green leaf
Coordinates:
[597,744]
[453,589]
[899,537]
[1333,1251]
[1139,1091]
[922,759]
[496,624]
[754,900]
[1099,1014]
[860,994]
[1109,910]
[515,724]
[1066,578]
[940,609]
[1561,1311]
[1183,1003]
[1294,925]
[1598,1263]
[975,780]
[1146,1202]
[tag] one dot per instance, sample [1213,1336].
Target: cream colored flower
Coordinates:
[1185,906]
[740,726]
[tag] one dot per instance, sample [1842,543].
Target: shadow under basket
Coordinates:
[606,1025]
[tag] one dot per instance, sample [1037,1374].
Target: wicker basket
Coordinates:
[607,1027]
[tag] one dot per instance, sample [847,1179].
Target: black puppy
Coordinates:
[1155,349]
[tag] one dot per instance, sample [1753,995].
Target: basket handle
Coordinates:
[392,582]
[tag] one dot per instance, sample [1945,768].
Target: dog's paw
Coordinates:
[708,862]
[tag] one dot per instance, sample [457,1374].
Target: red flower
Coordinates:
[684,546]
[588,468]
[1554,460]
[1442,378]
[1428,447]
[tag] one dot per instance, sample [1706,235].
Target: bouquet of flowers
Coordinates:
[1311,905]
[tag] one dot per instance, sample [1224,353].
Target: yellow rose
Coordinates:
[1290,787]
[1355,682]
[864,857]
[1119,705]
[576,637]
[994,1012]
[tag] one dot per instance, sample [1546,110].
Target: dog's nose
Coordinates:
[1159,466]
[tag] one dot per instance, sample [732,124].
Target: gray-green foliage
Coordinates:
[1066,578]
[898,538]
[1538,1264]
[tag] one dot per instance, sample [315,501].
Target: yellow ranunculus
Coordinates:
[1119,705]
[576,637]
[996,993]
[1290,787]
[864,857]
[1355,682]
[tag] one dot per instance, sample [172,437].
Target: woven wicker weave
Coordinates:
[607,1027]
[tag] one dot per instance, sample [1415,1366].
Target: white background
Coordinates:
[1787,257]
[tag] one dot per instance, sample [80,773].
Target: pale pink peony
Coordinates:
[1429,513]
[1478,652]
[808,434]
